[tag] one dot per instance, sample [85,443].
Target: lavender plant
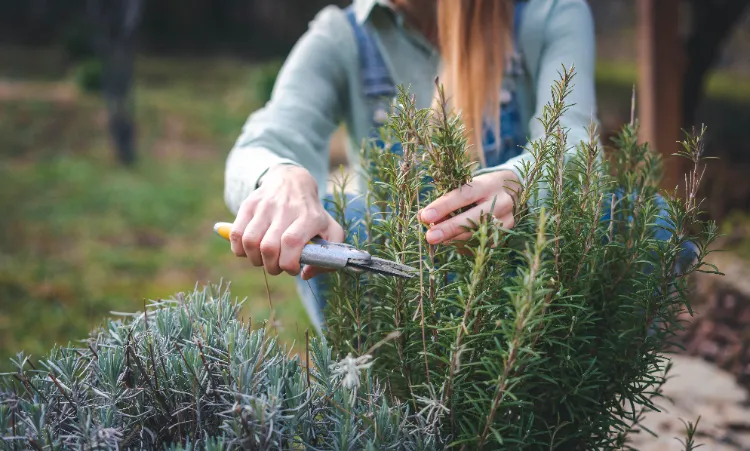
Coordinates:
[547,336]
[187,373]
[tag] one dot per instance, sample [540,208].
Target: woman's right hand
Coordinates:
[277,220]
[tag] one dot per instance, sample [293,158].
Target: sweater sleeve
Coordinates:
[568,40]
[306,105]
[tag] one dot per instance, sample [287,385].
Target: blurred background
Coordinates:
[116,118]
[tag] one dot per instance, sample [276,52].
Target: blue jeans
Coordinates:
[312,291]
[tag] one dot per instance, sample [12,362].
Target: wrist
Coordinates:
[280,170]
[287,172]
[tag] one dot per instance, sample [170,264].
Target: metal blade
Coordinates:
[384,267]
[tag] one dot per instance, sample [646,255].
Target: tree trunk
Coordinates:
[116,22]
[661,63]
[712,23]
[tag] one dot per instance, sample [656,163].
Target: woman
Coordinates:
[345,68]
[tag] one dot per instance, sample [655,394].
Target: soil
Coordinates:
[712,372]
[46,91]
[698,388]
[720,329]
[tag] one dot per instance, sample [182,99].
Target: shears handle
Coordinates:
[317,252]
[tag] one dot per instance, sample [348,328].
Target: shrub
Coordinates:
[546,336]
[187,373]
[89,75]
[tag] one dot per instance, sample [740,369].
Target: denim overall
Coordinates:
[379,87]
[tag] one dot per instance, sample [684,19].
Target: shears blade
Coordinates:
[319,252]
[385,267]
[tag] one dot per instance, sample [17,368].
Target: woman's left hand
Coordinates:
[481,192]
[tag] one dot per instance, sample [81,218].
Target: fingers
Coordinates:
[452,228]
[507,221]
[292,242]
[276,241]
[452,201]
[294,239]
[253,236]
[244,215]
[270,248]
[290,231]
[461,240]
[483,187]
[276,221]
[503,208]
[308,272]
[466,236]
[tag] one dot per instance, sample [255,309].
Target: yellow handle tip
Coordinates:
[222,229]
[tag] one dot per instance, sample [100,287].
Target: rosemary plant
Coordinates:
[546,336]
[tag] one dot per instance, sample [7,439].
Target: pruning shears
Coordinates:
[324,254]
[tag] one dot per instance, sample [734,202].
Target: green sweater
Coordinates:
[319,87]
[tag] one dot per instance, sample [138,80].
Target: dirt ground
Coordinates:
[712,376]
[699,388]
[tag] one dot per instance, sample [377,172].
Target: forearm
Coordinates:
[306,105]
[569,43]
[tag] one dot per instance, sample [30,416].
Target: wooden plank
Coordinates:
[659,89]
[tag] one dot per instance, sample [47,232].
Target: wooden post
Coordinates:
[660,71]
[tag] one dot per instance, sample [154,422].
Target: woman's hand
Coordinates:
[277,220]
[481,192]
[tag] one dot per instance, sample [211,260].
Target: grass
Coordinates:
[81,236]
[719,85]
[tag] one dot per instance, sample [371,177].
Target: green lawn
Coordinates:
[81,236]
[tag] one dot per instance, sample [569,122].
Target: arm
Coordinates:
[305,107]
[277,165]
[569,40]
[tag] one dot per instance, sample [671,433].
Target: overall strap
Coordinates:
[500,148]
[520,6]
[376,79]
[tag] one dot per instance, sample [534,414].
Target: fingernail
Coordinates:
[434,236]
[430,215]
